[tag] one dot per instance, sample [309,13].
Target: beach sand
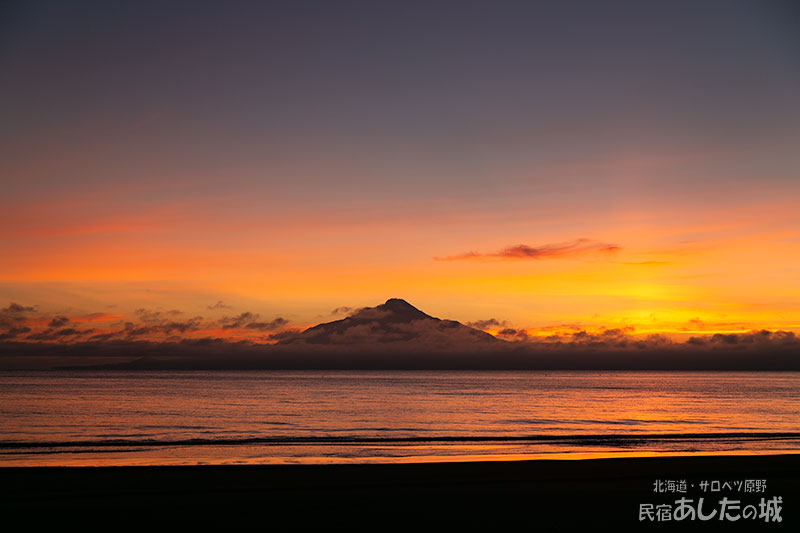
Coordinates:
[528,495]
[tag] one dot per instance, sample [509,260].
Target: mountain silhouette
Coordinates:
[394,322]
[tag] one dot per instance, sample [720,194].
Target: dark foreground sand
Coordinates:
[504,495]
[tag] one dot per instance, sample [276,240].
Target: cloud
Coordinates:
[14,332]
[623,339]
[219,305]
[17,323]
[432,345]
[53,334]
[392,335]
[248,320]
[342,310]
[512,334]
[761,337]
[58,321]
[545,251]
[15,308]
[23,323]
[285,335]
[166,327]
[488,323]
[97,317]
[156,317]
[237,321]
[14,315]
[272,325]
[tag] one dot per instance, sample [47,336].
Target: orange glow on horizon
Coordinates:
[732,273]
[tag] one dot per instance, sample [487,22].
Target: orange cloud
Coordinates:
[545,251]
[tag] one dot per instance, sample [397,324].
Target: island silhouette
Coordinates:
[395,321]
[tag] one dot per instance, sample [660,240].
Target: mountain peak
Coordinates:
[397,304]
[398,309]
[395,322]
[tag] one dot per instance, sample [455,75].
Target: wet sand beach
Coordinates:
[528,495]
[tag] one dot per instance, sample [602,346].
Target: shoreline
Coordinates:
[552,493]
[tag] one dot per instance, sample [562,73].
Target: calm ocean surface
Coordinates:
[100,418]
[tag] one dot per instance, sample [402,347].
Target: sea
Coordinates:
[99,418]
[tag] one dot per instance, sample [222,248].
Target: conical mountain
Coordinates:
[393,323]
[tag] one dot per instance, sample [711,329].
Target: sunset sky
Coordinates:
[554,166]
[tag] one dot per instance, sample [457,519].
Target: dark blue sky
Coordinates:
[434,87]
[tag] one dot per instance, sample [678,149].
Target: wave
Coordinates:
[582,439]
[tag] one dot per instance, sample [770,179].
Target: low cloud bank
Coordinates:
[394,335]
[750,351]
